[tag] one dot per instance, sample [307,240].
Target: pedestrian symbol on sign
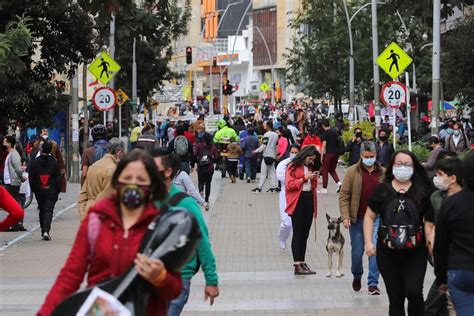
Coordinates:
[105,68]
[394,57]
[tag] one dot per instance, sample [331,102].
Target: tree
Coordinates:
[155,28]
[457,67]
[62,38]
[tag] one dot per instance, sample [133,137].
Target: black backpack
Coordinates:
[401,225]
[205,158]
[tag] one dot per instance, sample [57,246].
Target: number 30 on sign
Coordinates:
[104,99]
[393,94]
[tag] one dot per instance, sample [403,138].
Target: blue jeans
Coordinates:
[356,231]
[177,305]
[250,165]
[461,288]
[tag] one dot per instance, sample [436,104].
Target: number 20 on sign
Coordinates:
[393,94]
[104,99]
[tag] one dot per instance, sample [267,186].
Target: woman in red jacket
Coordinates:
[301,180]
[119,222]
[11,206]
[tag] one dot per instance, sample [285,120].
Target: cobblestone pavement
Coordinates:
[256,278]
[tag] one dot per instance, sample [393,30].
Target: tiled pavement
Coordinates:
[255,277]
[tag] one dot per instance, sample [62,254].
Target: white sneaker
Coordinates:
[323,191]
[46,236]
[339,185]
[283,246]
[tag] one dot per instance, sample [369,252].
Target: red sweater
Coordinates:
[294,186]
[312,140]
[11,206]
[114,254]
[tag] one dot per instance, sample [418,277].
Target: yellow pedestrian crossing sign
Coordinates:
[264,87]
[104,68]
[394,60]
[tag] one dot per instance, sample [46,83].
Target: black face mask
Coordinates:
[133,196]
[358,134]
[383,138]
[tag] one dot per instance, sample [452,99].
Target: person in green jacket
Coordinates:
[225,134]
[204,256]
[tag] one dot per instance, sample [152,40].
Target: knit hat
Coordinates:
[468,167]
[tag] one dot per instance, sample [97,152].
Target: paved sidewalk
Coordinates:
[256,278]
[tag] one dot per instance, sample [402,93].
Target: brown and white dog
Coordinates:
[335,244]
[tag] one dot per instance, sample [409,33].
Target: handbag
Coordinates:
[268,160]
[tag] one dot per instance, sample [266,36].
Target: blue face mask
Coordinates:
[456,132]
[369,162]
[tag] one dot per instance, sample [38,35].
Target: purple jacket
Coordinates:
[199,151]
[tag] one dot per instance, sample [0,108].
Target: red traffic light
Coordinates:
[189,55]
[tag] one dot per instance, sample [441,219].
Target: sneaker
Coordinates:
[356,285]
[256,190]
[232,179]
[248,180]
[373,290]
[46,236]
[277,189]
[283,246]
[323,191]
[339,185]
[271,190]
[206,206]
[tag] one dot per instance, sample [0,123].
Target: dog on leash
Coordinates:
[335,244]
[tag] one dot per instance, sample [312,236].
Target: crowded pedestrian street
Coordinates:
[253,271]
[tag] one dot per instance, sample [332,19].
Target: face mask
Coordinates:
[292,156]
[358,134]
[383,138]
[369,162]
[402,174]
[45,137]
[456,133]
[132,195]
[440,184]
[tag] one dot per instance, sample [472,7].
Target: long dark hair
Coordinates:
[306,152]
[421,183]
[208,139]
[158,187]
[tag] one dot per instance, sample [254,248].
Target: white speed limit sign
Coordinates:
[104,99]
[393,94]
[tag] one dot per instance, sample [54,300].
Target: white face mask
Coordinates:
[440,183]
[403,173]
[292,156]
[45,137]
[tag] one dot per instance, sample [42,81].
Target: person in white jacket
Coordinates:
[285,225]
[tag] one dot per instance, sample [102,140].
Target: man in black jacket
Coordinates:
[353,147]
[45,182]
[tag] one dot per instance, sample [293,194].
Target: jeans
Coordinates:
[356,231]
[403,273]
[461,288]
[250,165]
[177,305]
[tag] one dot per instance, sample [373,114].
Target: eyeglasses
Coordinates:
[403,164]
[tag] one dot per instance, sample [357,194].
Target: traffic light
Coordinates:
[214,61]
[189,55]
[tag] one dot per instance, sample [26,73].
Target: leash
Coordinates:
[325,208]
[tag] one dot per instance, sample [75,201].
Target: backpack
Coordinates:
[341,148]
[205,158]
[181,145]
[95,222]
[400,226]
[100,150]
